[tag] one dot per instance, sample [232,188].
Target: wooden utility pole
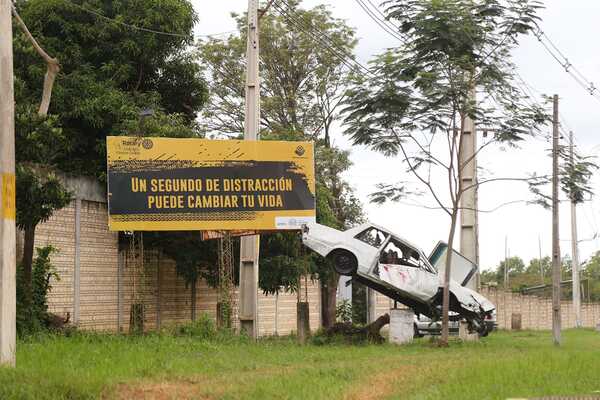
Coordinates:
[469,228]
[555,233]
[7,191]
[575,249]
[248,309]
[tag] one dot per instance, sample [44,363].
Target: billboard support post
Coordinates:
[249,246]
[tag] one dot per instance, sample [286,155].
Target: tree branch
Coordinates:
[52,66]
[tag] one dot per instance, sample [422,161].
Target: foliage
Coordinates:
[343,311]
[194,258]
[301,85]
[301,90]
[575,173]
[37,197]
[32,314]
[283,262]
[203,328]
[109,72]
[591,271]
[416,101]
[521,277]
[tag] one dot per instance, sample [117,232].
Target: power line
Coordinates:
[383,23]
[134,27]
[564,62]
[322,39]
[141,29]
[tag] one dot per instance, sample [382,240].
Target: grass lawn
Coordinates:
[504,365]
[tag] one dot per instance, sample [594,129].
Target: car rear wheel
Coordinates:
[344,262]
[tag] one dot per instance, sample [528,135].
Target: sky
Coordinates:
[573,27]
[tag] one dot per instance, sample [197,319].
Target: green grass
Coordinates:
[504,365]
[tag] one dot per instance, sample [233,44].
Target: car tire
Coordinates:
[344,262]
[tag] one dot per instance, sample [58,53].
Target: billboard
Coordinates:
[157,184]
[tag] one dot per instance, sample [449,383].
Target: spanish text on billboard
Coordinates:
[198,184]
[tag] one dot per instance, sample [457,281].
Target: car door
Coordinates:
[367,245]
[407,269]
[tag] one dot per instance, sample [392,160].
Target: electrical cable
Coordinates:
[138,28]
[564,62]
[321,38]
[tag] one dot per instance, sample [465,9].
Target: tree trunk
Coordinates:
[27,261]
[328,300]
[446,286]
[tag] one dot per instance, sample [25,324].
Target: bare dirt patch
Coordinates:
[167,390]
[380,385]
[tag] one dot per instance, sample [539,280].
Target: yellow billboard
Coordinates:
[157,184]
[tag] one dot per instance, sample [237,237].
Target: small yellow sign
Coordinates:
[8,209]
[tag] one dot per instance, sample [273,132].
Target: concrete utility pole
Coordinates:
[505,262]
[555,233]
[575,250]
[248,309]
[469,227]
[8,260]
[540,259]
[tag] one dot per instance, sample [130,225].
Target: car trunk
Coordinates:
[463,270]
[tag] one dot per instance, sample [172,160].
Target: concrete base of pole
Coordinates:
[464,335]
[303,321]
[402,326]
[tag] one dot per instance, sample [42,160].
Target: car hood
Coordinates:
[470,299]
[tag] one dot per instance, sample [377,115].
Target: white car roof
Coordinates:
[357,229]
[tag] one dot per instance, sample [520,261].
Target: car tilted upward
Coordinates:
[384,262]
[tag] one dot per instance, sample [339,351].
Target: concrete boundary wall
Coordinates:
[95,286]
[536,312]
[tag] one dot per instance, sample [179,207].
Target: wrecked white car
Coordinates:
[392,266]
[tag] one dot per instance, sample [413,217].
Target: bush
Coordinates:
[343,311]
[32,314]
[203,328]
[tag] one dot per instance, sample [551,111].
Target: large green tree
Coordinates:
[302,88]
[301,85]
[109,70]
[110,67]
[417,102]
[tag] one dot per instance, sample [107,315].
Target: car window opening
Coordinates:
[372,236]
[398,253]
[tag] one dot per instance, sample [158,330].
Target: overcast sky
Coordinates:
[574,27]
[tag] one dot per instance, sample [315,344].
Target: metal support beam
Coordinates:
[248,310]
[8,259]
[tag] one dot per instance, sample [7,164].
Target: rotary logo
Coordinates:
[147,144]
[300,151]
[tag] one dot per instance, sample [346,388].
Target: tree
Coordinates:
[36,198]
[301,85]
[539,267]
[301,92]
[416,102]
[591,271]
[109,70]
